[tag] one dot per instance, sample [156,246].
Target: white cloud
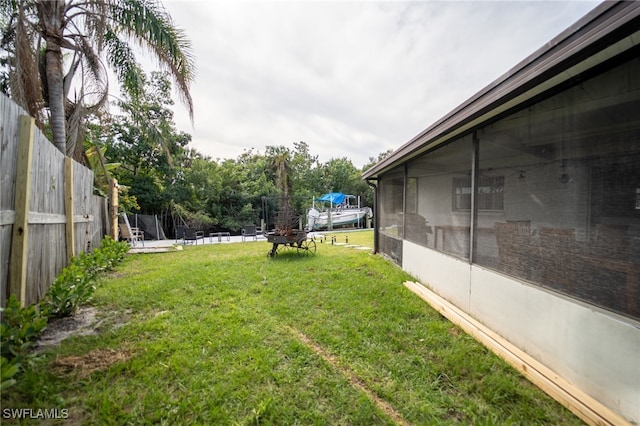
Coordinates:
[351,79]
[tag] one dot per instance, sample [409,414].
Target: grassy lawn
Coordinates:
[222,334]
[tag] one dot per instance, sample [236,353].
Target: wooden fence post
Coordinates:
[68,208]
[113,211]
[20,234]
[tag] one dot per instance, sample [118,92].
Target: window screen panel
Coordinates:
[391,201]
[441,187]
[570,217]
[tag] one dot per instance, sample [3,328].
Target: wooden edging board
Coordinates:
[582,405]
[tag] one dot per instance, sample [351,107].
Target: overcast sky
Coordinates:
[351,79]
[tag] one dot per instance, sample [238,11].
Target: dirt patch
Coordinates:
[84,322]
[84,365]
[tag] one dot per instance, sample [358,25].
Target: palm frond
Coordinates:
[94,31]
[92,15]
[122,60]
[25,79]
[147,22]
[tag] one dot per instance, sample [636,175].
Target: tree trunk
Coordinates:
[53,59]
[51,16]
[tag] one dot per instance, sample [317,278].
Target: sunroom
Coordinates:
[522,206]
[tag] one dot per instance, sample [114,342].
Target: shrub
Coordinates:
[21,326]
[76,283]
[8,369]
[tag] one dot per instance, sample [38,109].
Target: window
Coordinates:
[490,193]
[391,190]
[571,216]
[428,218]
[412,195]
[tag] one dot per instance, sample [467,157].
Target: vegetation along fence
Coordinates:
[38,186]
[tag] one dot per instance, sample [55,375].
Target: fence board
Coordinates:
[89,231]
[47,243]
[47,229]
[9,114]
[20,235]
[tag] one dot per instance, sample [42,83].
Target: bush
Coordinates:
[75,285]
[8,369]
[19,328]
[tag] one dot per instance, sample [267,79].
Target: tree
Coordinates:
[144,133]
[305,172]
[66,39]
[280,159]
[195,193]
[340,175]
[373,160]
[152,154]
[236,207]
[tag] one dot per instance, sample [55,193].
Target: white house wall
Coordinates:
[431,266]
[596,351]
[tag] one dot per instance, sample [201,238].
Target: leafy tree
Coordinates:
[340,175]
[305,171]
[374,160]
[144,134]
[56,45]
[151,154]
[195,192]
[236,207]
[258,178]
[179,183]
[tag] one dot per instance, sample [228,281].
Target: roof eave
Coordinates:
[608,24]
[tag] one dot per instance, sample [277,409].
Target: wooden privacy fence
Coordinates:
[48,212]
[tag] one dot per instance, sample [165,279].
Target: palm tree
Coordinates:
[280,163]
[55,46]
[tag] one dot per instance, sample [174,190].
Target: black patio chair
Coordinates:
[249,231]
[191,235]
[179,230]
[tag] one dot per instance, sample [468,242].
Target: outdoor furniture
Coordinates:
[191,235]
[249,231]
[179,232]
[516,253]
[219,235]
[131,234]
[557,257]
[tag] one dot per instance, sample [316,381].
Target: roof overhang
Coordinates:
[607,31]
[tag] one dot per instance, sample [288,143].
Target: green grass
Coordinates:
[223,334]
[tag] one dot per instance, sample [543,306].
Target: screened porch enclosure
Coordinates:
[549,194]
